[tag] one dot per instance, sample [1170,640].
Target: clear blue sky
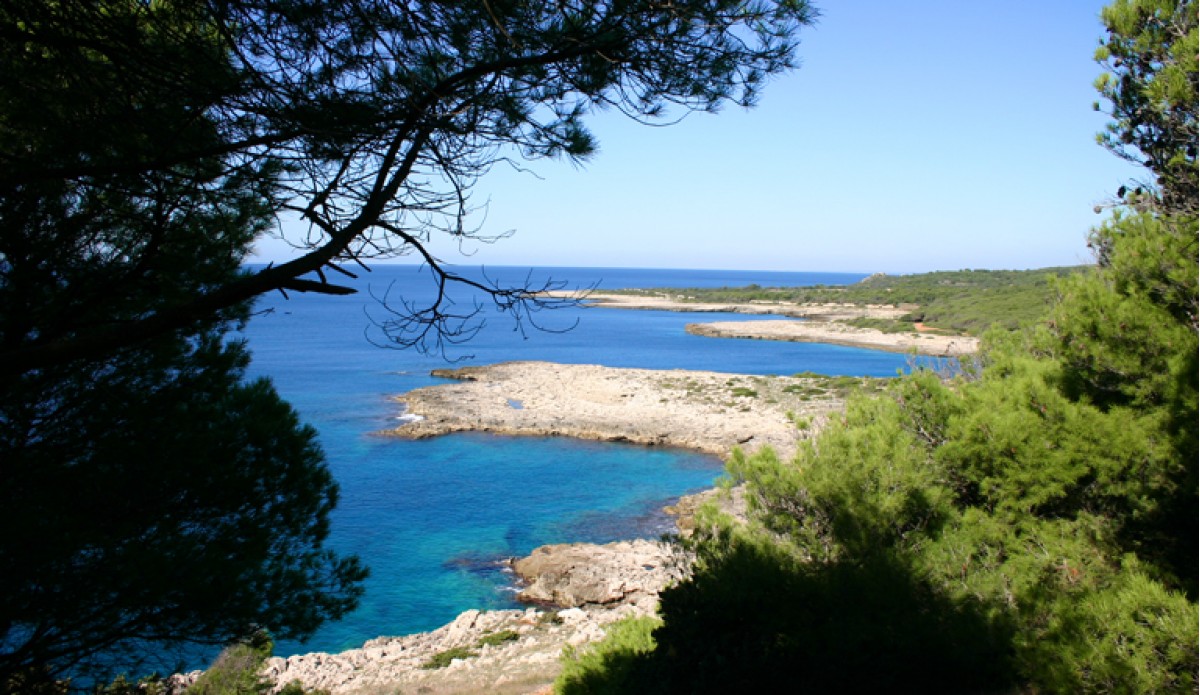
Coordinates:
[915,136]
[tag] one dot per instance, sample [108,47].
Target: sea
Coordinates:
[434,519]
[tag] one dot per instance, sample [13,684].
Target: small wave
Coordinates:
[409,418]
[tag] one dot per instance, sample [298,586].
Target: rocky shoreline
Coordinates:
[835,333]
[823,323]
[710,412]
[575,589]
[501,651]
[578,589]
[815,312]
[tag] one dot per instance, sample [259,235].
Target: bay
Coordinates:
[432,518]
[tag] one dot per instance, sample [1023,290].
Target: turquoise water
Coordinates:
[433,518]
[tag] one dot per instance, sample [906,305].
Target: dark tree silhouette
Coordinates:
[369,120]
[149,496]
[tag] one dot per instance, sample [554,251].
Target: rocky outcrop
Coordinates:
[731,502]
[580,589]
[707,411]
[583,574]
[839,334]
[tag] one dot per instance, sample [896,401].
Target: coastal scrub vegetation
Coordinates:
[153,497]
[1028,525]
[597,668]
[237,670]
[955,301]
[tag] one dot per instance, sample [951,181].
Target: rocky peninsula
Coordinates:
[836,333]
[821,323]
[705,411]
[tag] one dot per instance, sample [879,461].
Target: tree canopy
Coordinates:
[1029,524]
[155,499]
[369,121]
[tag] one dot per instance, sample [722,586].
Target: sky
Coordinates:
[915,136]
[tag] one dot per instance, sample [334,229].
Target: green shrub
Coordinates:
[443,659]
[236,670]
[148,685]
[610,665]
[757,617]
[1133,636]
[498,638]
[548,618]
[296,688]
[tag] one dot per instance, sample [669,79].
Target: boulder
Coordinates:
[581,574]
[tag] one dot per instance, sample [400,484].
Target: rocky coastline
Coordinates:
[822,323]
[815,312]
[501,651]
[576,590]
[710,412]
[835,333]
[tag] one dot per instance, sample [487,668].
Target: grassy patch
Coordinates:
[498,638]
[548,618]
[882,325]
[443,659]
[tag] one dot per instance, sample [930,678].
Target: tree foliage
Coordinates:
[156,499]
[368,121]
[1150,52]
[1030,523]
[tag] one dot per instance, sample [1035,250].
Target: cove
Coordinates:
[432,518]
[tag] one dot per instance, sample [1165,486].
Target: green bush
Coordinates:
[611,665]
[296,688]
[236,670]
[497,638]
[149,685]
[758,617]
[443,659]
[1133,636]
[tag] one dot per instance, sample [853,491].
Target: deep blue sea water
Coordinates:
[431,518]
